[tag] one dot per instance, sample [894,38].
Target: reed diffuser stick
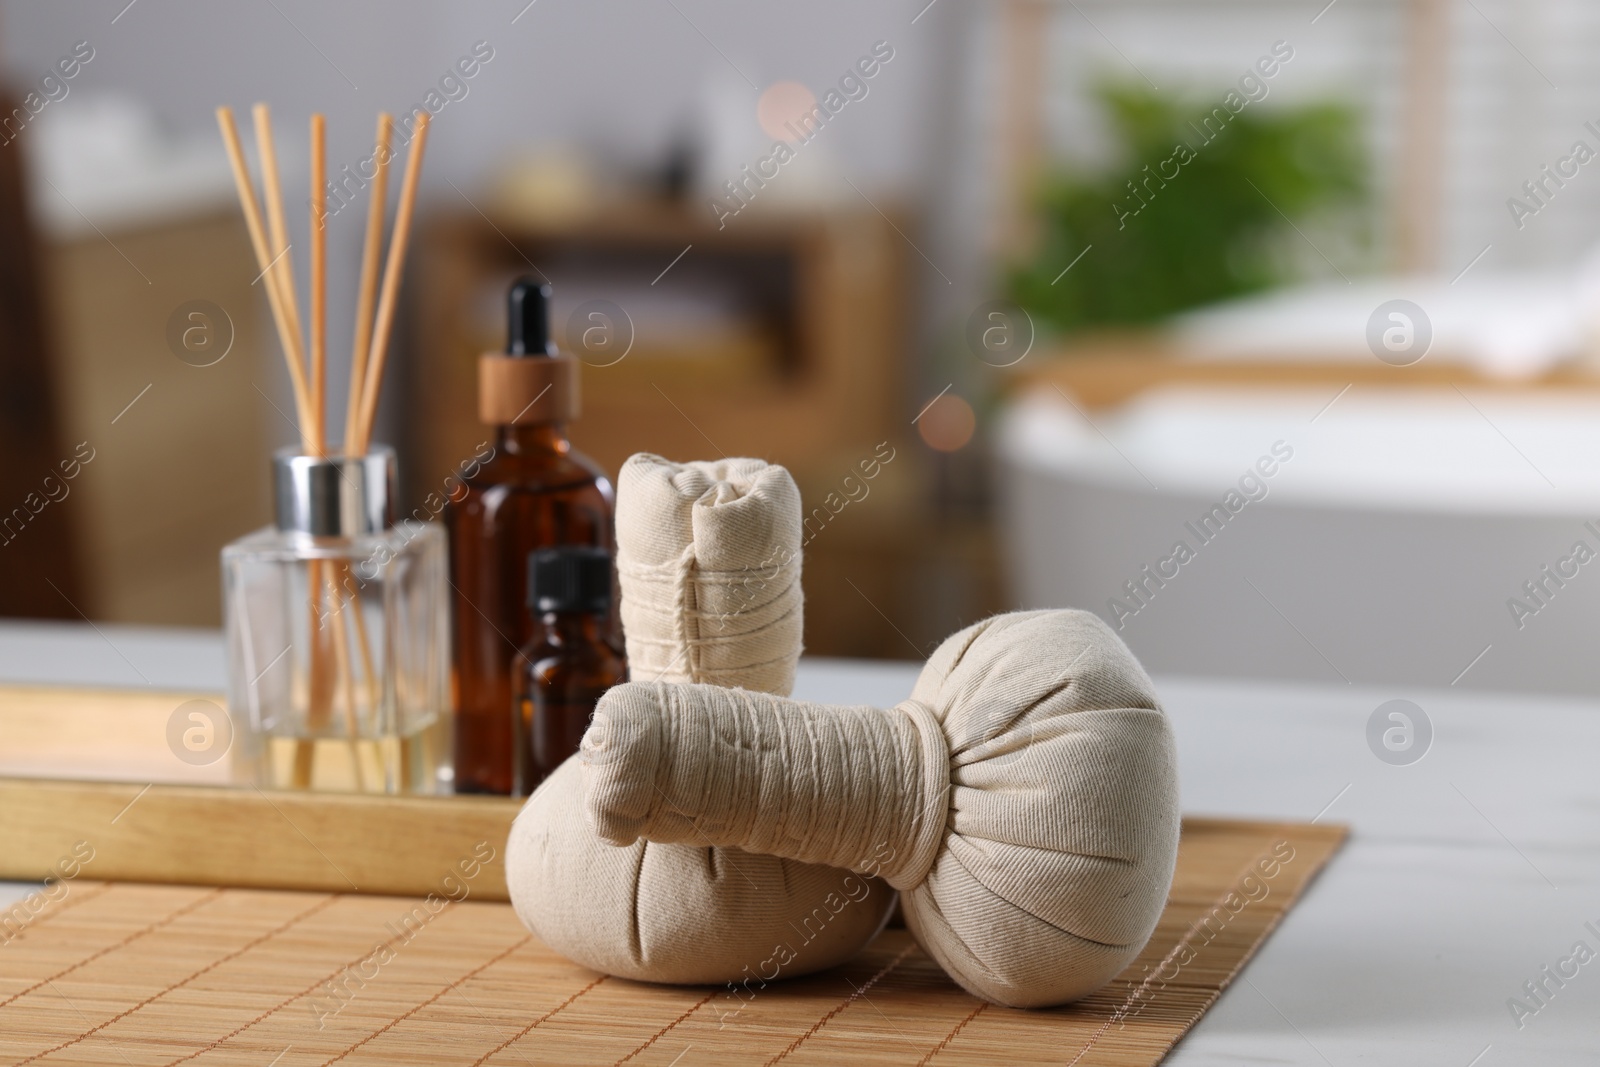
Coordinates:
[371,256]
[324,674]
[347,677]
[391,283]
[287,335]
[282,264]
[367,290]
[319,280]
[374,687]
[280,295]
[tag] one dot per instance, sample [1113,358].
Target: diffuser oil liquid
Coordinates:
[392,764]
[338,653]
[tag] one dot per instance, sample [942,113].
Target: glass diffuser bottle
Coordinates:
[338,634]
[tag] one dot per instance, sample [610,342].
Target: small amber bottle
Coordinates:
[563,671]
[535,492]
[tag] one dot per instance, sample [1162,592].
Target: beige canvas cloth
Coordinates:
[1024,799]
[708,555]
[708,558]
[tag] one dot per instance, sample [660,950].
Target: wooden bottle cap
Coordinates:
[513,390]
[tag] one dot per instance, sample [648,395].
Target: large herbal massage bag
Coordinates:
[1024,800]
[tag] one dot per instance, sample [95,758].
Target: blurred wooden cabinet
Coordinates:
[180,451]
[782,336]
[40,565]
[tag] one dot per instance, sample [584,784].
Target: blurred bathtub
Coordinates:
[1390,542]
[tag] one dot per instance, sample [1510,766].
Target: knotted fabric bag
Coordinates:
[1024,799]
[708,558]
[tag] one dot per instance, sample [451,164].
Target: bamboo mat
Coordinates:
[114,973]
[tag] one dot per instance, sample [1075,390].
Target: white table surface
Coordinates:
[1467,871]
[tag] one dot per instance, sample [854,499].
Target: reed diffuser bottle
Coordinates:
[338,647]
[537,492]
[337,620]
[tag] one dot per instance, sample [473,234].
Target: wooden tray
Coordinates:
[200,835]
[93,766]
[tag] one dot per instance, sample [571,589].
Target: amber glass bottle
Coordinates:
[569,663]
[535,492]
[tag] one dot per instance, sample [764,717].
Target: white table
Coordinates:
[1468,871]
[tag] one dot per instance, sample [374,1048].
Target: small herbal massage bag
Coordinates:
[708,558]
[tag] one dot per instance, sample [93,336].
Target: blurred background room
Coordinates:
[1266,330]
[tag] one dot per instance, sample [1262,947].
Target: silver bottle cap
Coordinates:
[334,496]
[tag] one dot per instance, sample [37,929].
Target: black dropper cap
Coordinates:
[528,319]
[569,578]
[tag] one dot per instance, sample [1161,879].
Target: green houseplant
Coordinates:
[1201,206]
